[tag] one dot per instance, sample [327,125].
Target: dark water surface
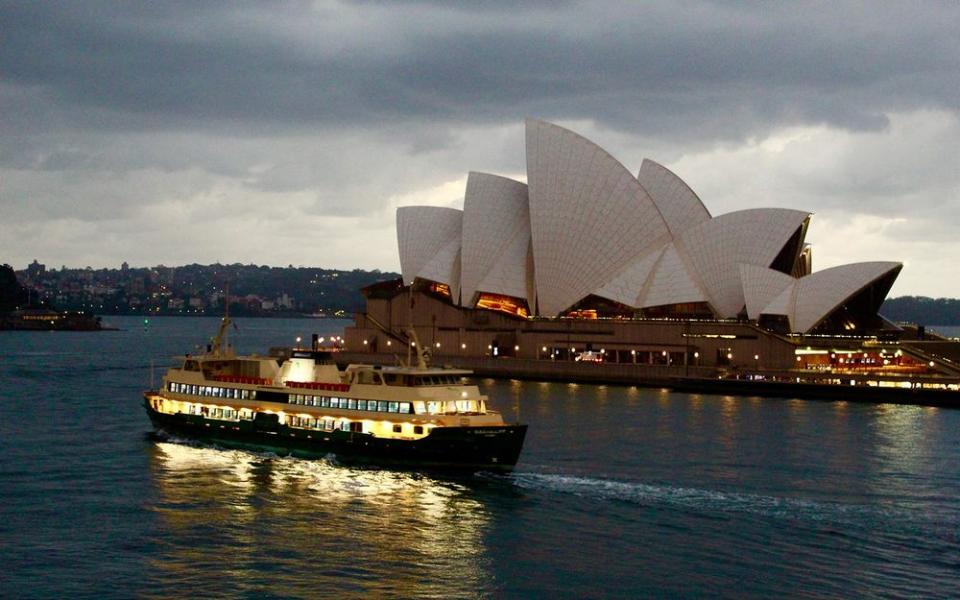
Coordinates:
[620,492]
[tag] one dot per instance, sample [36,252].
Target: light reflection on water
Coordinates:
[620,491]
[266,517]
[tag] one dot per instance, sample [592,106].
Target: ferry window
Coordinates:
[324,401]
[393,407]
[170,387]
[377,379]
[334,402]
[396,429]
[405,407]
[253,394]
[381,406]
[345,425]
[394,379]
[351,404]
[361,405]
[418,429]
[328,425]
[356,426]
[243,394]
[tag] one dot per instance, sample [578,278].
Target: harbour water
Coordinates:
[620,492]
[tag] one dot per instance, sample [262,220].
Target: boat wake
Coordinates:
[710,501]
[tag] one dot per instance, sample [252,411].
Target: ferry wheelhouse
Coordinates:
[302,404]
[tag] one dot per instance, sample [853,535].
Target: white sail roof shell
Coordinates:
[496,237]
[584,225]
[820,293]
[628,287]
[680,206]
[589,216]
[760,286]
[672,282]
[429,239]
[719,246]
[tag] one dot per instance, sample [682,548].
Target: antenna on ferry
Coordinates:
[219,341]
[421,351]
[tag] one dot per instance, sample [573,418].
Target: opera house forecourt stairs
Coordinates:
[588,272]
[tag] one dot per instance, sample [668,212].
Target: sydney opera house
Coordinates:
[587,261]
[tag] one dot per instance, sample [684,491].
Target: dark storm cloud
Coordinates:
[200,131]
[709,69]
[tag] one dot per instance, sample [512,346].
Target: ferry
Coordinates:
[302,404]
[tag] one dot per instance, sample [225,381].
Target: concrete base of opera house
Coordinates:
[709,356]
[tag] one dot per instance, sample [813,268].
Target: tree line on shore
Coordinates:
[342,289]
[922,310]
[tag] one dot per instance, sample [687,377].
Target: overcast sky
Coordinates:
[289,132]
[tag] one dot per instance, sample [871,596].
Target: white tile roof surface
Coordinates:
[583,224]
[423,233]
[589,216]
[680,207]
[496,237]
[719,246]
[760,286]
[671,283]
[818,294]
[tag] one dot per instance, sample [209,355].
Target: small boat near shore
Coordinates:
[300,403]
